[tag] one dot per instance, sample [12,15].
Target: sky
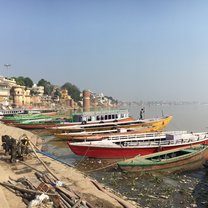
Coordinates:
[131,50]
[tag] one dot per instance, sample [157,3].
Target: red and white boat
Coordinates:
[127,146]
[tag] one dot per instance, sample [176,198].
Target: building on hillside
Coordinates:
[36,100]
[37,90]
[100,100]
[20,96]
[66,99]
[64,94]
[5,87]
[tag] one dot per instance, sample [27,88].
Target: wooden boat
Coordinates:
[179,159]
[29,115]
[4,112]
[62,122]
[23,117]
[38,123]
[105,134]
[100,135]
[128,146]
[157,123]
[45,112]
[93,117]
[21,111]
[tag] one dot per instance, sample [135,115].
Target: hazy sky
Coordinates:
[129,49]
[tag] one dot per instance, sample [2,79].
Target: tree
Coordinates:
[24,81]
[28,82]
[73,91]
[57,93]
[20,80]
[48,87]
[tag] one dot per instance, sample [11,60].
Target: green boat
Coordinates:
[175,160]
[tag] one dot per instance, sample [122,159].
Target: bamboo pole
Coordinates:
[46,167]
[26,190]
[118,199]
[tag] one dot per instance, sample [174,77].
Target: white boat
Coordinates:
[94,118]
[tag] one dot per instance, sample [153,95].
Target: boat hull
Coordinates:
[122,152]
[33,126]
[187,162]
[134,126]
[66,127]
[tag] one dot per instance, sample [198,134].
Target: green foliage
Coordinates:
[28,82]
[73,91]
[24,81]
[57,93]
[48,87]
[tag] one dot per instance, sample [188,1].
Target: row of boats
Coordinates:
[114,134]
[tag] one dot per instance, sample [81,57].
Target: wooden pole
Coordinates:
[46,167]
[118,199]
[25,190]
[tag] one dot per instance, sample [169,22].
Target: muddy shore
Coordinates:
[78,182]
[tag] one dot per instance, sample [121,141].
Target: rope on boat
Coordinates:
[68,164]
[83,157]
[89,171]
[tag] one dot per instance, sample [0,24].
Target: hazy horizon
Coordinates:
[130,50]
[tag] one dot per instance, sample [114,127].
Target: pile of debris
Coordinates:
[44,190]
[18,149]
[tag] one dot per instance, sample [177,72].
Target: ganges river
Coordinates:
[182,190]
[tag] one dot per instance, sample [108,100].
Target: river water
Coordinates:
[180,190]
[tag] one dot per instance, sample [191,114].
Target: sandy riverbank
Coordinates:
[78,182]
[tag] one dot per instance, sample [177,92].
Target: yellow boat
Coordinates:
[97,133]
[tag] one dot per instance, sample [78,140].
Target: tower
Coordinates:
[86,100]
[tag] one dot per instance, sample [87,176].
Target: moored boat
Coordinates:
[105,134]
[39,123]
[157,124]
[180,159]
[22,117]
[100,135]
[93,117]
[127,146]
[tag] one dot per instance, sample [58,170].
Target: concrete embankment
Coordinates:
[87,188]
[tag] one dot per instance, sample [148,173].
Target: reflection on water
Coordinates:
[149,190]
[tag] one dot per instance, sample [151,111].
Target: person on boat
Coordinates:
[142,114]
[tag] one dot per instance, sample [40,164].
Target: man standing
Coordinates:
[142,114]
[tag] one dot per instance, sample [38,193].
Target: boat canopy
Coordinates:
[100,115]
